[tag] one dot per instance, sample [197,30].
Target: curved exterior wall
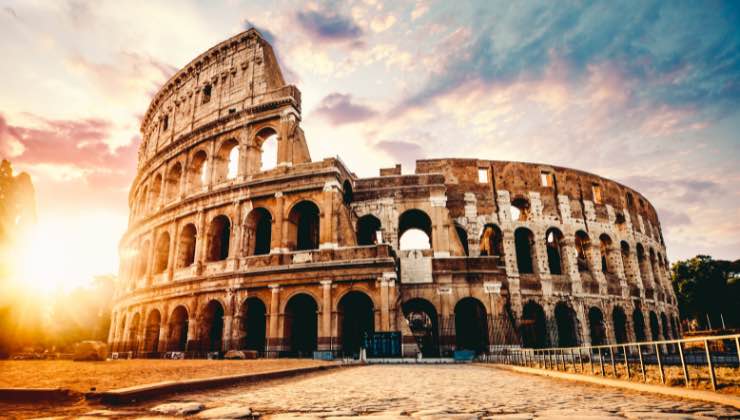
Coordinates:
[282,261]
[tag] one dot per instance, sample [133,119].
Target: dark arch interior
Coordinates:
[304,220]
[462,236]
[666,327]
[301,325]
[639,324]
[347,194]
[367,228]
[218,238]
[619,320]
[491,241]
[565,318]
[533,327]
[151,335]
[523,240]
[654,327]
[254,322]
[583,243]
[553,239]
[162,253]
[424,325]
[357,321]
[414,220]
[133,329]
[471,326]
[178,329]
[213,327]
[259,232]
[187,246]
[596,326]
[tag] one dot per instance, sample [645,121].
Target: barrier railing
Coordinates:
[631,360]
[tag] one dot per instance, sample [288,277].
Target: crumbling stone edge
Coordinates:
[692,394]
[38,394]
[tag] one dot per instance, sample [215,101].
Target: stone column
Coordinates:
[278,238]
[384,313]
[440,239]
[327,229]
[112,329]
[325,333]
[243,147]
[211,174]
[273,337]
[164,336]
[570,257]
[226,343]
[172,255]
[200,239]
[192,343]
[393,297]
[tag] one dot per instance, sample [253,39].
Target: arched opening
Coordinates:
[357,321]
[414,230]
[219,234]
[186,255]
[471,325]
[424,325]
[162,253]
[619,319]
[638,323]
[565,318]
[368,230]
[178,330]
[212,321]
[172,188]
[533,326]
[554,242]
[301,325]
[347,193]
[259,231]
[254,322]
[491,241]
[143,260]
[133,334]
[524,241]
[596,326]
[583,250]
[626,262]
[462,236]
[642,262]
[226,164]
[267,140]
[654,266]
[605,244]
[664,324]
[519,209]
[654,326]
[199,170]
[155,191]
[303,227]
[151,336]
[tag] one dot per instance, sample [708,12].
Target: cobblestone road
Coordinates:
[459,392]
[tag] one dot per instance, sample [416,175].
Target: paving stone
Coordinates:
[179,408]
[226,412]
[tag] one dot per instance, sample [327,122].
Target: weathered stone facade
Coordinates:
[222,253]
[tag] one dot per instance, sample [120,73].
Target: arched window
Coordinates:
[462,236]
[654,326]
[226,164]
[259,231]
[491,241]
[178,338]
[143,260]
[347,194]
[162,253]
[199,170]
[471,325]
[643,264]
[519,209]
[254,324]
[219,233]
[301,325]
[605,245]
[211,338]
[155,191]
[186,256]
[414,230]
[583,250]
[356,320]
[151,334]
[638,321]
[565,318]
[303,228]
[654,266]
[368,230]
[172,188]
[524,241]
[619,319]
[596,326]
[554,242]
[533,326]
[267,140]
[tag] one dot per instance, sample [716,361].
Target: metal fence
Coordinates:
[633,360]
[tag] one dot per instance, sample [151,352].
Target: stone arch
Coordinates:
[226,161]
[155,192]
[491,241]
[414,230]
[254,322]
[654,326]
[619,322]
[638,323]
[423,322]
[300,327]
[554,242]
[605,248]
[132,342]
[178,329]
[151,333]
[212,326]
[368,227]
[198,171]
[266,140]
[524,244]
[186,254]
[357,320]
[519,209]
[172,182]
[597,327]
[347,192]
[462,236]
[356,288]
[533,326]
[162,253]
[304,226]
[471,325]
[219,236]
[567,325]
[258,231]
[583,251]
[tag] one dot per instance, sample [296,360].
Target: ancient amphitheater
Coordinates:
[238,240]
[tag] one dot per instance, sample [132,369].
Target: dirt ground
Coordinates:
[113,374]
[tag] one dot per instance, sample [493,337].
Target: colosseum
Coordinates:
[238,240]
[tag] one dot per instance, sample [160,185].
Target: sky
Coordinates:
[646,93]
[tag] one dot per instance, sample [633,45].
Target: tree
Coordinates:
[708,288]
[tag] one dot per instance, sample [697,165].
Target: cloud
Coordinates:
[328,25]
[266,33]
[401,151]
[339,109]
[682,190]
